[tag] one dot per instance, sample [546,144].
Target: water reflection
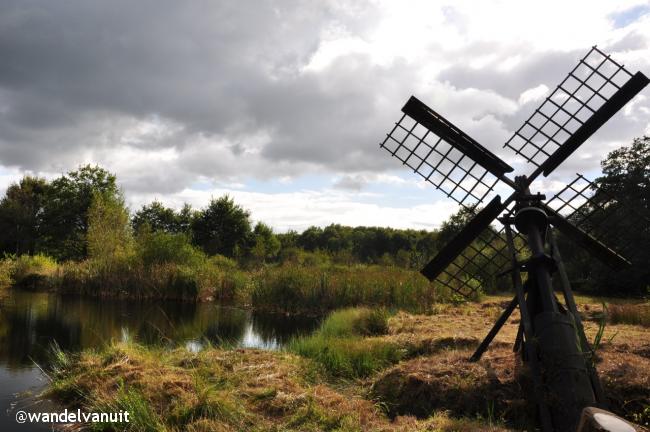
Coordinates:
[31,322]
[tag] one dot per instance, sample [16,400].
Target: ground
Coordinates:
[434,386]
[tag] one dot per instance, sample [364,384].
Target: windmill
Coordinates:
[551,337]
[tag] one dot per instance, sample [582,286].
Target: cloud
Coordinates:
[315,207]
[172,94]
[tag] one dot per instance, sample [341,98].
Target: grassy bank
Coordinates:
[221,390]
[361,370]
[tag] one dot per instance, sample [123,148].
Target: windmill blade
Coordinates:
[587,98]
[482,263]
[587,241]
[603,215]
[463,239]
[443,128]
[444,155]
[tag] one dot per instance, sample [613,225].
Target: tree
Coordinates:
[65,211]
[160,218]
[455,224]
[109,235]
[266,244]
[21,213]
[624,192]
[222,228]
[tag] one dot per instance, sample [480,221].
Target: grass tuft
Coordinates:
[340,349]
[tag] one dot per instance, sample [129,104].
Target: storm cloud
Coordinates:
[169,94]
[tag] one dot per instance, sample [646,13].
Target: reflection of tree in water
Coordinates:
[27,334]
[31,322]
[227,326]
[280,328]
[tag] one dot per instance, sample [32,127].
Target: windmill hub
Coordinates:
[529,218]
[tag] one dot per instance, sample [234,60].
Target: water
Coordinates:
[31,322]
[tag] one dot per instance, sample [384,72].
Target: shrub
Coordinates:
[33,271]
[162,248]
[7,266]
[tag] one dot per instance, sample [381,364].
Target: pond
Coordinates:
[31,322]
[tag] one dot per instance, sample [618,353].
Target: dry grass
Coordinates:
[630,314]
[223,390]
[433,388]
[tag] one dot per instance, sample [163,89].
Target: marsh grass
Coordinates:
[359,321]
[637,314]
[174,390]
[295,288]
[346,378]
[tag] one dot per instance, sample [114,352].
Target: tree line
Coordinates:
[38,216]
[52,218]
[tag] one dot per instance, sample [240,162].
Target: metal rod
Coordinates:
[495,329]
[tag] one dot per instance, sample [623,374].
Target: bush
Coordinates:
[7,266]
[163,248]
[33,271]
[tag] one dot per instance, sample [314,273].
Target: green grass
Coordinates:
[340,348]
[33,272]
[347,357]
[355,322]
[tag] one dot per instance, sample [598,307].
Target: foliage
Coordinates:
[65,213]
[7,265]
[160,247]
[624,225]
[33,272]
[109,234]
[223,227]
[364,244]
[21,214]
[266,245]
[157,217]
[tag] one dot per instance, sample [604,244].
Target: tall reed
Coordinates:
[294,288]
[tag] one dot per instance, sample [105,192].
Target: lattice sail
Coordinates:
[443,155]
[596,80]
[483,263]
[603,214]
